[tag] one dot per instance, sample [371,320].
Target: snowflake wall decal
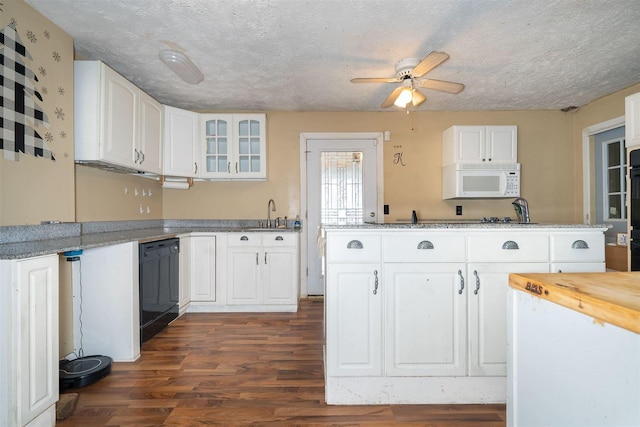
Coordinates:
[48,137]
[42,71]
[60,90]
[44,90]
[56,56]
[59,113]
[63,134]
[32,37]
[46,34]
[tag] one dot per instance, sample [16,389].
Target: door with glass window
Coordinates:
[611,170]
[341,190]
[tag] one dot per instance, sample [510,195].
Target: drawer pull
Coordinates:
[425,244]
[279,238]
[461,282]
[355,244]
[510,244]
[579,244]
[244,238]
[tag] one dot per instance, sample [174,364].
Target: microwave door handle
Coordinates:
[503,183]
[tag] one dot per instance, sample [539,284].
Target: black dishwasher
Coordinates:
[159,281]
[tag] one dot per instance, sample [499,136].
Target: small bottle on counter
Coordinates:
[296,224]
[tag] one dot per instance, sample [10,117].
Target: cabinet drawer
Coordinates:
[425,247]
[244,239]
[573,247]
[354,248]
[279,239]
[508,247]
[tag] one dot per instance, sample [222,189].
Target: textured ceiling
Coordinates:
[301,54]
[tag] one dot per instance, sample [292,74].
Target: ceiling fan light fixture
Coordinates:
[405,97]
[180,64]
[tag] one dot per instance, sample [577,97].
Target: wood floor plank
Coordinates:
[236,369]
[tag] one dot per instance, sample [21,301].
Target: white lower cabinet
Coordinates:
[29,331]
[202,268]
[262,270]
[488,285]
[425,331]
[354,320]
[415,316]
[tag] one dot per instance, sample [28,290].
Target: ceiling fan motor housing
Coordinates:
[404,67]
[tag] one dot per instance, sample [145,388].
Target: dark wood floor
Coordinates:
[244,369]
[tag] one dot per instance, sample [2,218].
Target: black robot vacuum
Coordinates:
[83,371]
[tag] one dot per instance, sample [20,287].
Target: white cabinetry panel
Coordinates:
[426,319]
[180,142]
[29,328]
[632,120]
[354,320]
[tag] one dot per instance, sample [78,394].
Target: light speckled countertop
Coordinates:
[35,240]
[432,225]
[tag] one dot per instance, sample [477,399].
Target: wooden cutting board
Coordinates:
[607,297]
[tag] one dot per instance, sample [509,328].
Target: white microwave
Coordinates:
[480,180]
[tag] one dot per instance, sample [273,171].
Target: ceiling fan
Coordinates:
[408,72]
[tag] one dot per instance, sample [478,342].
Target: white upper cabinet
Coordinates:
[632,120]
[108,119]
[233,146]
[480,144]
[149,151]
[180,142]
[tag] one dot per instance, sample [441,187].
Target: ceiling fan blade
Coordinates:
[391,98]
[441,85]
[418,98]
[375,80]
[430,62]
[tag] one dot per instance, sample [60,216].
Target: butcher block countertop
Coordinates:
[612,297]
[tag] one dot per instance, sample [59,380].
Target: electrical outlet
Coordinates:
[386,209]
[458,210]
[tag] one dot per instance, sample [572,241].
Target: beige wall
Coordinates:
[110,196]
[35,189]
[544,149]
[601,110]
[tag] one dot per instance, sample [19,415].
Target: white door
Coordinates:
[425,319]
[341,189]
[354,320]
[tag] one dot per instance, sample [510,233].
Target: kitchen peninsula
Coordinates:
[418,313]
[574,350]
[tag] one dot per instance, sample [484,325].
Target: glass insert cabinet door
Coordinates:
[235,146]
[249,147]
[217,146]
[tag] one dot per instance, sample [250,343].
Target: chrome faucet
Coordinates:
[522,210]
[269,209]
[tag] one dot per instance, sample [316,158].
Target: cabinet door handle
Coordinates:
[195,167]
[228,167]
[375,275]
[461,282]
[137,153]
[236,167]
[244,238]
[142,159]
[279,238]
[265,258]
[257,262]
[475,273]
